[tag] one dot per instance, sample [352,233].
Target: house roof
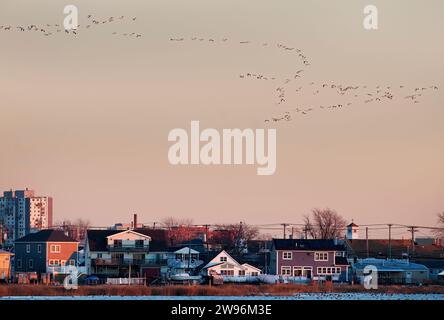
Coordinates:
[352,225]
[307,244]
[97,238]
[6,252]
[250,266]
[390,265]
[46,236]
[186,250]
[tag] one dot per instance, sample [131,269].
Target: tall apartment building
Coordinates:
[21,212]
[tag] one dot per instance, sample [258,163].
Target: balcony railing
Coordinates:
[174,263]
[126,262]
[129,248]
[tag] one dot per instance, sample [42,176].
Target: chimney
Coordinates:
[135,221]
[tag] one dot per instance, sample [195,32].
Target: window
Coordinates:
[139,243]
[255,274]
[227,272]
[223,259]
[321,256]
[287,255]
[39,248]
[28,248]
[241,272]
[72,262]
[55,248]
[286,271]
[99,256]
[118,243]
[19,263]
[54,262]
[30,263]
[63,263]
[329,271]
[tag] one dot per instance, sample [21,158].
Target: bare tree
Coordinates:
[440,232]
[74,229]
[324,224]
[179,230]
[235,236]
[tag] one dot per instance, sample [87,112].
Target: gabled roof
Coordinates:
[46,236]
[6,252]
[250,266]
[215,260]
[186,250]
[307,245]
[130,231]
[352,225]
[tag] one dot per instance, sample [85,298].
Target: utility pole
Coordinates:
[390,241]
[285,229]
[366,241]
[154,225]
[292,232]
[413,230]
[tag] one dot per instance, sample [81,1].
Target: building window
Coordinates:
[63,263]
[241,272]
[99,256]
[55,248]
[321,256]
[223,259]
[286,271]
[254,274]
[117,243]
[139,243]
[227,272]
[28,248]
[287,255]
[72,262]
[19,263]
[30,263]
[39,248]
[54,262]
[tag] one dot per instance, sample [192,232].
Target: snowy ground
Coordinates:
[298,296]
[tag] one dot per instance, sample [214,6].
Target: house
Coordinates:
[5,265]
[225,265]
[118,253]
[393,271]
[309,259]
[435,266]
[183,265]
[45,252]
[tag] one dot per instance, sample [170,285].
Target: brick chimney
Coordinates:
[135,221]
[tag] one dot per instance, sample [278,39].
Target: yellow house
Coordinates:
[5,265]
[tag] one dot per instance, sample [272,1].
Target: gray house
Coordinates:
[392,271]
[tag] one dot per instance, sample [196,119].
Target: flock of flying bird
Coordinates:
[290,87]
[91,23]
[286,88]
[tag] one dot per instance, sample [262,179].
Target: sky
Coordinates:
[85,118]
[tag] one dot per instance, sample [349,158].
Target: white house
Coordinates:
[225,265]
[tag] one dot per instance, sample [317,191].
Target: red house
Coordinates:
[309,259]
